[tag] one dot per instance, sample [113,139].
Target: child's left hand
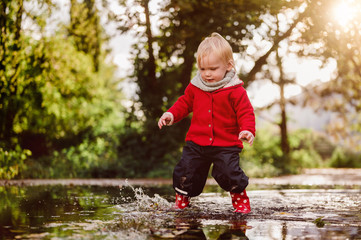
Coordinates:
[246,136]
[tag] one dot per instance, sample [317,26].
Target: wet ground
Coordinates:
[142,209]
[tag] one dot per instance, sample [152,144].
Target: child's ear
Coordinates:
[230,65]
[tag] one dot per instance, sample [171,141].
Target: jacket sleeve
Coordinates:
[244,111]
[183,106]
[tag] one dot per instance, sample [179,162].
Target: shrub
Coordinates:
[12,161]
[345,158]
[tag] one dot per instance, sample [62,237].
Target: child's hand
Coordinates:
[165,120]
[246,136]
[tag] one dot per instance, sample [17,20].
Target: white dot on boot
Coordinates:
[242,193]
[183,204]
[179,199]
[245,201]
[238,199]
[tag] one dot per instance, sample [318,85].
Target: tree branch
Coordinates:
[262,60]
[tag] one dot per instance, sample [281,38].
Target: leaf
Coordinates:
[319,222]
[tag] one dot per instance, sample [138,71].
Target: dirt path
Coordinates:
[318,177]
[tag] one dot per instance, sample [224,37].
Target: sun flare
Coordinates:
[344,12]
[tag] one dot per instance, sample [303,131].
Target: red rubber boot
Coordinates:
[240,202]
[181,201]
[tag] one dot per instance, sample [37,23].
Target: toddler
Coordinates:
[223,117]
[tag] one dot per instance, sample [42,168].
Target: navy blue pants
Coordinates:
[191,172]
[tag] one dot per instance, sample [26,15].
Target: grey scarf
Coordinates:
[231,79]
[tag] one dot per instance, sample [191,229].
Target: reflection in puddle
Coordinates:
[74,212]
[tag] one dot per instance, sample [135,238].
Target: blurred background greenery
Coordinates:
[65,112]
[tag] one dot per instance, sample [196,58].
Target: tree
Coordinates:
[57,91]
[80,107]
[85,29]
[337,37]
[12,84]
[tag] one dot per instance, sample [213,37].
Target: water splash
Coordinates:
[142,213]
[143,202]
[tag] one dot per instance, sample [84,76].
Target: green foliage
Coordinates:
[344,158]
[14,81]
[59,97]
[304,153]
[260,159]
[95,156]
[12,161]
[85,121]
[67,84]
[143,154]
[308,150]
[320,222]
[264,157]
[306,158]
[10,210]
[84,160]
[86,30]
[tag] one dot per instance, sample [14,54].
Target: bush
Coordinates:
[305,152]
[263,158]
[344,158]
[259,160]
[12,161]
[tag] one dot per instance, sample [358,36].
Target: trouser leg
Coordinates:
[190,173]
[226,170]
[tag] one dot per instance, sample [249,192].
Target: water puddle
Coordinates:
[139,212]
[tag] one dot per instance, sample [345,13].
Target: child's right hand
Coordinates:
[165,120]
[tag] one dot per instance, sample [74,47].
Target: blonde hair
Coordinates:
[215,43]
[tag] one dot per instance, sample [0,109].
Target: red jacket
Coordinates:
[218,117]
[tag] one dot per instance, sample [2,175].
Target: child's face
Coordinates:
[213,69]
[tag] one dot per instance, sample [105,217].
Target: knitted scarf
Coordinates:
[231,79]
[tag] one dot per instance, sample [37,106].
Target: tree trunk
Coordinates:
[151,65]
[285,147]
[151,62]
[187,69]
[283,124]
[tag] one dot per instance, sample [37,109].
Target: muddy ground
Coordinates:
[309,177]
